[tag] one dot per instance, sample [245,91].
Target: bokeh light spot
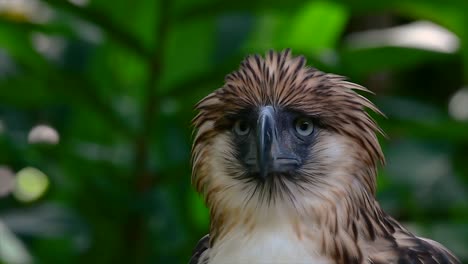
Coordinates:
[51,47]
[420,35]
[7,181]
[31,184]
[26,10]
[458,105]
[43,134]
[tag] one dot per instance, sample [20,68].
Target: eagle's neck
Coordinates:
[333,228]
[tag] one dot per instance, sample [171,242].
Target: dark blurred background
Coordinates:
[96,99]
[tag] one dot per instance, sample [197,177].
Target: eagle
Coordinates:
[285,157]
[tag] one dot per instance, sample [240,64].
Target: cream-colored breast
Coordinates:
[265,245]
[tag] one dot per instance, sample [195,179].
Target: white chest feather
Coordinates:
[264,246]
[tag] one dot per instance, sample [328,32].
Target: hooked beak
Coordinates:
[266,129]
[271,157]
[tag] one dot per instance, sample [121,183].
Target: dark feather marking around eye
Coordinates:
[246,114]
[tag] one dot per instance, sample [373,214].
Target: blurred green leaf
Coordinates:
[18,44]
[316,26]
[364,61]
[189,52]
[450,16]
[199,212]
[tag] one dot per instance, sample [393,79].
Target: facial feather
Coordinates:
[347,142]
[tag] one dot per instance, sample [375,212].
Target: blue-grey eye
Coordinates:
[241,128]
[304,126]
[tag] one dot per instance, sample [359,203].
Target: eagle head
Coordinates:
[283,138]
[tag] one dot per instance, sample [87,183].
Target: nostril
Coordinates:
[287,161]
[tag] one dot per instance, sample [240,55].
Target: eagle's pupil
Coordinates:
[304,126]
[243,126]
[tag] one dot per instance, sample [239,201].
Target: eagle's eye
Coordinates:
[241,127]
[304,126]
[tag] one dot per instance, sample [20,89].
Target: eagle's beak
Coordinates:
[267,140]
[272,155]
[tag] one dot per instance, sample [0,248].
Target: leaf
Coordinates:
[103,18]
[362,62]
[18,44]
[198,211]
[188,52]
[450,16]
[316,26]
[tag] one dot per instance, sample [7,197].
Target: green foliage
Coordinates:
[117,80]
